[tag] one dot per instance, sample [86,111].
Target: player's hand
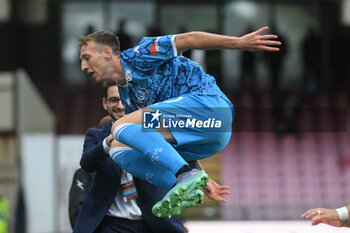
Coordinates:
[254,41]
[214,191]
[321,215]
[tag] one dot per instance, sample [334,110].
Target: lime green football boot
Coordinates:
[186,193]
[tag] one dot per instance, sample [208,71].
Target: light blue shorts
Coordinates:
[201,124]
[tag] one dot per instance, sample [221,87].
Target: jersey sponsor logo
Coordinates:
[154,49]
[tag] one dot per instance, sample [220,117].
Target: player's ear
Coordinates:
[108,53]
[104,103]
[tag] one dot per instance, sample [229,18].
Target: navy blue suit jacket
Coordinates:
[107,184]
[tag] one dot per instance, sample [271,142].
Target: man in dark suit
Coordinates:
[116,201]
[104,209]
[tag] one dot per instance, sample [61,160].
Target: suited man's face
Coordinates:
[113,104]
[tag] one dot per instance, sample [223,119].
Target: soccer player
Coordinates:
[188,116]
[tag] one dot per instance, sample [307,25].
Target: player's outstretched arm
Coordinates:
[332,217]
[253,41]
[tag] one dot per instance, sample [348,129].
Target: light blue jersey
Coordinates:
[154,73]
[175,87]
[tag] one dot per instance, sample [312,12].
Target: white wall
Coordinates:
[39,181]
[261,227]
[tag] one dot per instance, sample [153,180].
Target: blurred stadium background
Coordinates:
[290,148]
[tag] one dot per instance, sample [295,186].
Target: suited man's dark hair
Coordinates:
[106,84]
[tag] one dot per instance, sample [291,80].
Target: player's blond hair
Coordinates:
[103,38]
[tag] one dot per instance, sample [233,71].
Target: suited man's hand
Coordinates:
[109,140]
[214,191]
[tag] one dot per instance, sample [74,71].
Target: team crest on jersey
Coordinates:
[128,76]
[154,49]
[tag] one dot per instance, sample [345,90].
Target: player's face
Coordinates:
[113,103]
[93,62]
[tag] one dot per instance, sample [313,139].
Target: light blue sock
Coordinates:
[151,144]
[140,166]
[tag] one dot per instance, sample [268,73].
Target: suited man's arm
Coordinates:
[93,152]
